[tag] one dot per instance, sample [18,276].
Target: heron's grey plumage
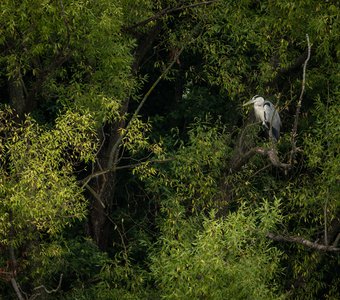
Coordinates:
[266,113]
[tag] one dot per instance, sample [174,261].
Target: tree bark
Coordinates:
[17,96]
[302,241]
[102,187]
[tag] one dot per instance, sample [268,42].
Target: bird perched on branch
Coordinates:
[266,113]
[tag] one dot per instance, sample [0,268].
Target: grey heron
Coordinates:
[266,113]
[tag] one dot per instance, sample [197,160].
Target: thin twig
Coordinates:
[259,171]
[298,106]
[142,163]
[120,234]
[302,241]
[102,172]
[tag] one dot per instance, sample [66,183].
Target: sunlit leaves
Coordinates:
[38,187]
[220,259]
[82,35]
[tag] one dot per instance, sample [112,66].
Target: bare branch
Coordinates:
[336,241]
[142,163]
[302,241]
[271,153]
[168,11]
[94,193]
[298,106]
[53,290]
[16,288]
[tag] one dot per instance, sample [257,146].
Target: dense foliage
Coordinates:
[130,170]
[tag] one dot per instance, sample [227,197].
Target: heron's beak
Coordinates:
[249,102]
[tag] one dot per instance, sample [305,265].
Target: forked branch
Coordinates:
[53,290]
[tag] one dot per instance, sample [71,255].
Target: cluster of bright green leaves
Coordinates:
[220,259]
[136,138]
[73,51]
[39,191]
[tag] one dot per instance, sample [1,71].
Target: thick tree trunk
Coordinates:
[20,99]
[103,187]
[100,227]
[17,96]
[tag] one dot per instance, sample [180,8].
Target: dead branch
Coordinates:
[95,194]
[167,11]
[16,288]
[302,241]
[271,153]
[53,290]
[298,106]
[336,241]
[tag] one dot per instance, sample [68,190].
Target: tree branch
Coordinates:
[271,153]
[336,241]
[16,288]
[298,106]
[86,180]
[302,241]
[167,11]
[94,193]
[53,290]
[135,114]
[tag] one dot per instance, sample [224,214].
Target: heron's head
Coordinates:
[256,99]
